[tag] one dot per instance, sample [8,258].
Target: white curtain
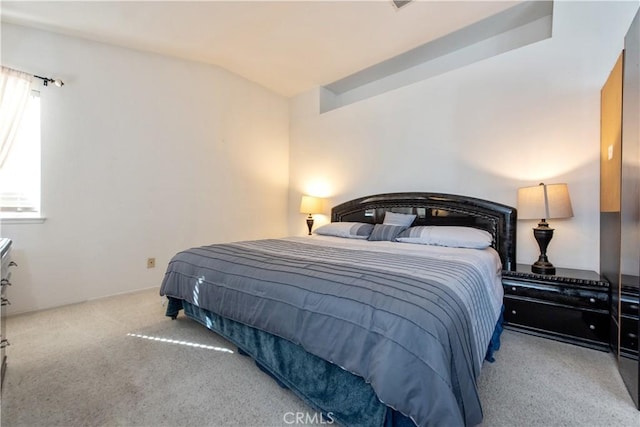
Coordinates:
[15,88]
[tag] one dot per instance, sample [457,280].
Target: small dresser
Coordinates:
[570,306]
[5,250]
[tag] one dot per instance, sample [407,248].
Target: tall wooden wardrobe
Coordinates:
[620,205]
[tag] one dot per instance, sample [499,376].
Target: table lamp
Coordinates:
[544,202]
[310,205]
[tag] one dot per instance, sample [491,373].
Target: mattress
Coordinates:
[414,321]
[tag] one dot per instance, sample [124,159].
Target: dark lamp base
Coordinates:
[543,235]
[310,223]
[543,268]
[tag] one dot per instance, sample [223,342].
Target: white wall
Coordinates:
[517,119]
[142,156]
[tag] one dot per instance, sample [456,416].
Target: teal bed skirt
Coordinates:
[339,395]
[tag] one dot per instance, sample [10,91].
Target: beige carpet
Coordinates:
[119,362]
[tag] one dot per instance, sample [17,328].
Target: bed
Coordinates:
[368,332]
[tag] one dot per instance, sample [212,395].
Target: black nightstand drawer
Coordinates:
[629,334]
[565,322]
[629,306]
[571,296]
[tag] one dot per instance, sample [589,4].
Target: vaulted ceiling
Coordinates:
[286,46]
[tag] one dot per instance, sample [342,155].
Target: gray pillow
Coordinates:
[393,218]
[386,232]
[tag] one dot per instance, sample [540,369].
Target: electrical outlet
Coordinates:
[151,263]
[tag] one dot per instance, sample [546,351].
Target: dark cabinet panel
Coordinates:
[619,202]
[629,218]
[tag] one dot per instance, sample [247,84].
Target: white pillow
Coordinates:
[418,234]
[451,236]
[350,230]
[392,218]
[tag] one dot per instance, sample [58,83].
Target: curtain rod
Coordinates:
[48,80]
[45,80]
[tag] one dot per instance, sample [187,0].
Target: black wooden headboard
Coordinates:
[440,209]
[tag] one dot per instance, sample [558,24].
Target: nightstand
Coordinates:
[570,306]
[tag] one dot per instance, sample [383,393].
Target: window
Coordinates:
[20,172]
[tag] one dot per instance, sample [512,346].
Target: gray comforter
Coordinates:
[410,325]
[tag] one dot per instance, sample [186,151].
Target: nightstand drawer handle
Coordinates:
[4,282]
[513,288]
[12,264]
[4,343]
[592,327]
[632,335]
[4,301]
[633,306]
[513,312]
[592,300]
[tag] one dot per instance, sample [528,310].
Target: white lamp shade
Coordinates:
[544,202]
[310,205]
